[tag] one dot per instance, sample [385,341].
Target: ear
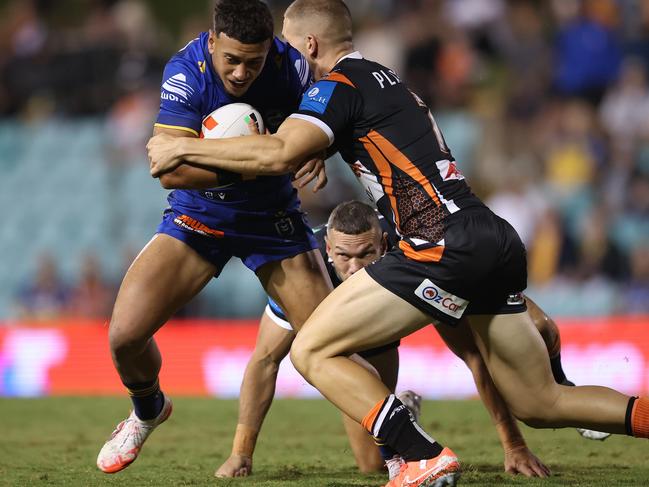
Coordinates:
[384,243]
[211,40]
[327,246]
[312,45]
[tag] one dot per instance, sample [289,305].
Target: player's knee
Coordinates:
[303,354]
[125,340]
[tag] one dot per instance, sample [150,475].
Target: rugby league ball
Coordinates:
[231,120]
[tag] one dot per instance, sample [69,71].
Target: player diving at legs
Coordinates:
[455,258]
[257,220]
[353,238]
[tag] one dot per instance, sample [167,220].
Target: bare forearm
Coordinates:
[187,176]
[257,391]
[260,155]
[506,426]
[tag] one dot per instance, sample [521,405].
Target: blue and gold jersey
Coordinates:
[257,220]
[191,90]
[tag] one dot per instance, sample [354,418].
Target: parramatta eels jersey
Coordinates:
[191,90]
[392,143]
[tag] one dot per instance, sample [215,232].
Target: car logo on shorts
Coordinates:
[444,301]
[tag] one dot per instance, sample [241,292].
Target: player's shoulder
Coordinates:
[193,58]
[287,61]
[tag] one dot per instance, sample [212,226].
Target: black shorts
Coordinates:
[482,270]
[378,350]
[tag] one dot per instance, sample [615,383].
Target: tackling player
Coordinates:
[455,258]
[257,220]
[353,238]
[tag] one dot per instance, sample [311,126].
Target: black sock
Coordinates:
[387,452]
[147,398]
[395,426]
[557,371]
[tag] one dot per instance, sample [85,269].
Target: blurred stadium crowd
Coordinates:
[545,105]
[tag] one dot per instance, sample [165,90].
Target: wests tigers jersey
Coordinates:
[391,141]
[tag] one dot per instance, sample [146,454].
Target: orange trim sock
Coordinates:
[640,418]
[368,420]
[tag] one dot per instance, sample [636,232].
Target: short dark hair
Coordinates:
[248,21]
[353,218]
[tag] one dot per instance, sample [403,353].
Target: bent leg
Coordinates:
[518,457]
[164,276]
[358,315]
[518,362]
[297,283]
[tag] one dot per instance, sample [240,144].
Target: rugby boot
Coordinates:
[441,471]
[125,443]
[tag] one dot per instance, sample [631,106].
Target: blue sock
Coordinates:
[147,398]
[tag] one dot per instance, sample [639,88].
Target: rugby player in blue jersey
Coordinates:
[257,220]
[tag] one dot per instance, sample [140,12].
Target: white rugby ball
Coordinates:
[231,121]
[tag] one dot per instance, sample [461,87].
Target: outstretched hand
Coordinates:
[522,460]
[235,466]
[310,170]
[161,150]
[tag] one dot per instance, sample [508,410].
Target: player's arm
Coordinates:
[518,457]
[257,391]
[186,176]
[254,155]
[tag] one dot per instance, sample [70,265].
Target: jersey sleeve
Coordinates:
[180,98]
[333,104]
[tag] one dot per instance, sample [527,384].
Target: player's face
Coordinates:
[236,63]
[350,253]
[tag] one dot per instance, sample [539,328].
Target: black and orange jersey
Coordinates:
[392,143]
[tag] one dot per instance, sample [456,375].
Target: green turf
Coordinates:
[55,441]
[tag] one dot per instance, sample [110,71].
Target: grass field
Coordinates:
[55,441]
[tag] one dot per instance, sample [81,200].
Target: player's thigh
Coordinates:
[163,277]
[358,315]
[273,341]
[517,359]
[459,339]
[297,283]
[386,363]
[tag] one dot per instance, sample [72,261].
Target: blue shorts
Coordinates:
[257,230]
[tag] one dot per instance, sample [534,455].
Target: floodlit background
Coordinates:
[545,105]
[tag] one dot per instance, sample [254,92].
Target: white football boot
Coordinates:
[126,441]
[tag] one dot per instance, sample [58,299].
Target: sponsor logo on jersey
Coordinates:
[189,223]
[444,301]
[449,170]
[177,89]
[201,66]
[317,98]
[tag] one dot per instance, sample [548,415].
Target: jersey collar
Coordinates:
[351,55]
